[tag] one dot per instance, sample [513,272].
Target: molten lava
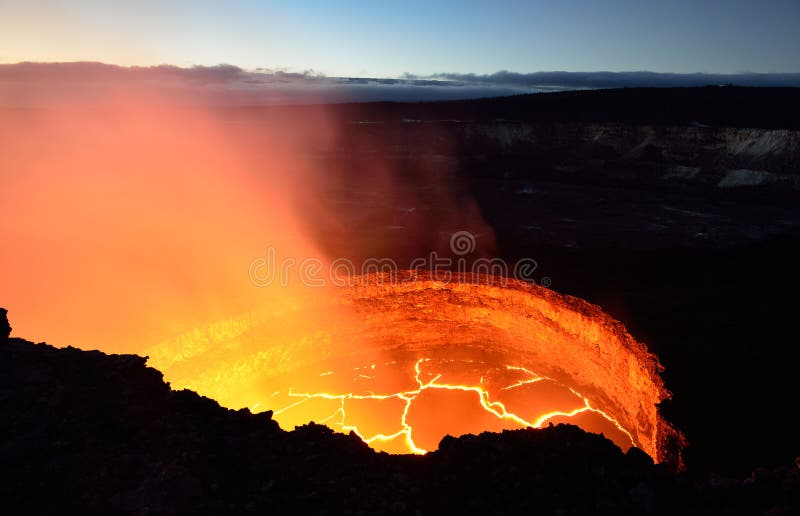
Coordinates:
[404,359]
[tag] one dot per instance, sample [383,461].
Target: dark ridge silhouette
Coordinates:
[717,106]
[5,327]
[90,433]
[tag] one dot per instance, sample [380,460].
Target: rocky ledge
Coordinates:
[94,433]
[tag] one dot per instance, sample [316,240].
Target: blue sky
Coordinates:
[387,39]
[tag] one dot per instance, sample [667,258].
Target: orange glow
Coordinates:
[130,219]
[424,358]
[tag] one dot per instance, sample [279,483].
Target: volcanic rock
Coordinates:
[5,327]
[94,433]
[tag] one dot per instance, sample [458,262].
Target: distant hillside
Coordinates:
[724,106]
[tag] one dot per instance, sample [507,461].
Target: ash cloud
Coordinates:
[32,83]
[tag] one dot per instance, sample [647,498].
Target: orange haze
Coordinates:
[128,221]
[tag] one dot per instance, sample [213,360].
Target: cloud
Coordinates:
[93,72]
[594,80]
[36,83]
[31,83]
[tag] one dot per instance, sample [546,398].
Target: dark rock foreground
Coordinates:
[85,432]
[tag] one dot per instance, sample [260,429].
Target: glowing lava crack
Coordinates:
[406,432]
[459,355]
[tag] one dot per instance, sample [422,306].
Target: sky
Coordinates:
[388,39]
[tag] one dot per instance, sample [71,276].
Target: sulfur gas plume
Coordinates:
[132,218]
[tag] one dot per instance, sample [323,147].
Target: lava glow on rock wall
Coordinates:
[426,356]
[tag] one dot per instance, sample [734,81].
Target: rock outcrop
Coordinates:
[5,327]
[90,433]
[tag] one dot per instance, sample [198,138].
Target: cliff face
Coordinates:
[564,184]
[654,155]
[697,155]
